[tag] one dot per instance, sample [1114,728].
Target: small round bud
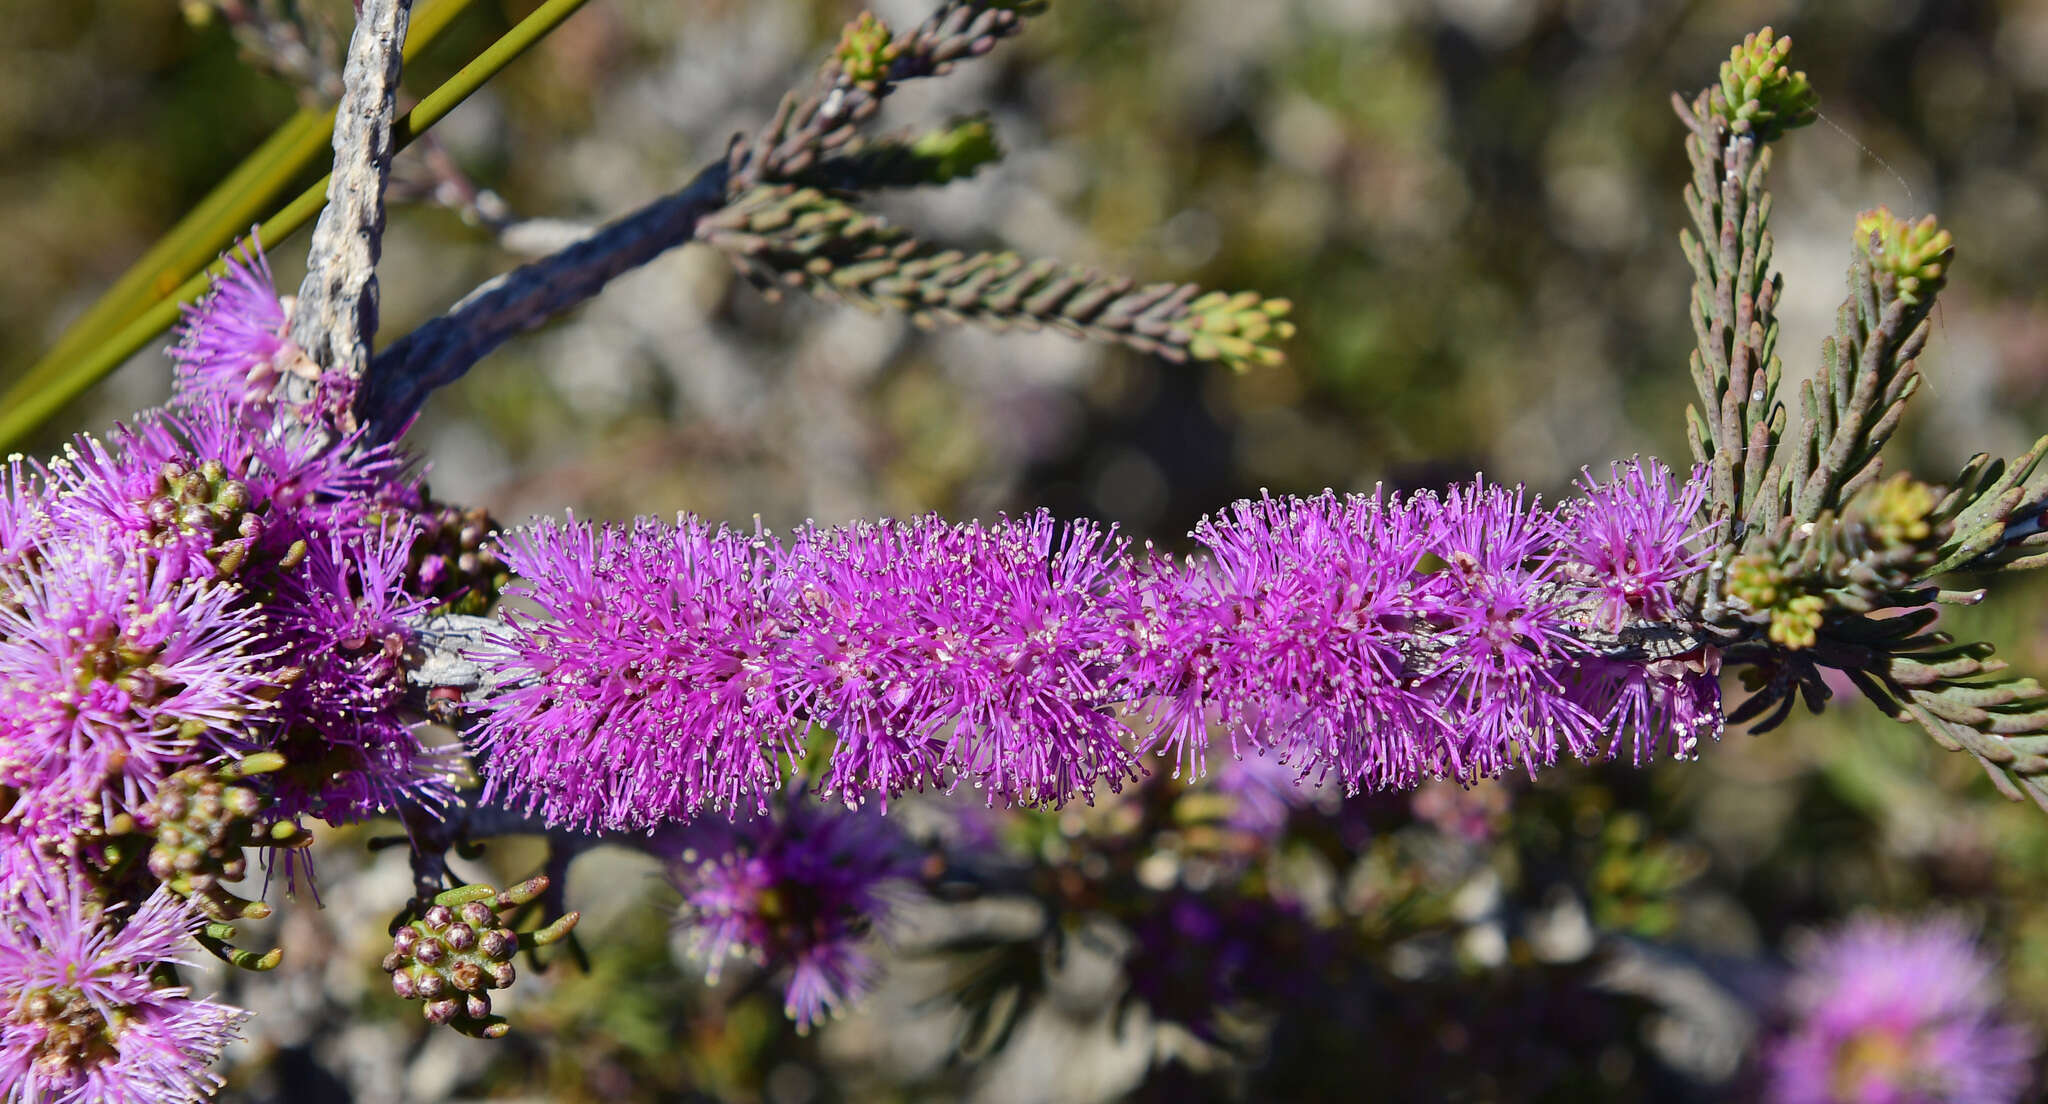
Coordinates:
[243,802]
[442,1011]
[500,943]
[503,975]
[430,952]
[431,986]
[478,915]
[461,937]
[405,939]
[402,984]
[466,976]
[476,1006]
[440,916]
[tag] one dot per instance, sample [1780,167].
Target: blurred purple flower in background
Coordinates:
[1884,1012]
[802,892]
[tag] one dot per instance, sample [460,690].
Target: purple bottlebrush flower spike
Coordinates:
[1291,635]
[343,723]
[1890,1013]
[81,1019]
[1506,639]
[647,693]
[674,664]
[987,652]
[803,892]
[234,342]
[114,671]
[1631,543]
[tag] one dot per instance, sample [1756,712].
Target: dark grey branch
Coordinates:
[439,352]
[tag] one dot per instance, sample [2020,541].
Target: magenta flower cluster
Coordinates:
[81,1018]
[209,582]
[1884,1012]
[1373,640]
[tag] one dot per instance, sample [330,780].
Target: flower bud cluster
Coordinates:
[202,822]
[454,560]
[458,951]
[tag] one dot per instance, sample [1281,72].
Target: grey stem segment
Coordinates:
[439,352]
[452,651]
[335,317]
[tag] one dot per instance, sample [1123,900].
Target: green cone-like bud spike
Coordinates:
[788,237]
[1239,329]
[958,150]
[1770,595]
[1759,94]
[1897,512]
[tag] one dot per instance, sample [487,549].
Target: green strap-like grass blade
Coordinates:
[54,381]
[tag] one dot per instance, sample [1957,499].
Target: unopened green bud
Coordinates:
[1760,94]
[1916,254]
[865,50]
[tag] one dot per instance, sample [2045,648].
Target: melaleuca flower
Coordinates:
[342,721]
[1630,542]
[82,1020]
[1651,703]
[1379,640]
[647,692]
[802,892]
[24,514]
[213,488]
[114,671]
[1506,643]
[984,652]
[1888,1013]
[197,516]
[233,344]
[1290,635]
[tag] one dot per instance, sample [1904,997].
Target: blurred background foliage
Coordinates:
[1473,205]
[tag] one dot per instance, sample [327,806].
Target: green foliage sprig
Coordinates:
[1824,564]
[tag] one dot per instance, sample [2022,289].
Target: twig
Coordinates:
[442,350]
[335,317]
